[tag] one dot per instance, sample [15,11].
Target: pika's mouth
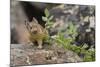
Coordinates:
[34,32]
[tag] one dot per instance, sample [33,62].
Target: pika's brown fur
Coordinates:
[36,32]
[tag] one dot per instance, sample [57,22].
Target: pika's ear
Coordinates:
[34,20]
[27,25]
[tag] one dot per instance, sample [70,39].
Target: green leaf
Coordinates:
[85,46]
[47,12]
[44,18]
[49,23]
[51,17]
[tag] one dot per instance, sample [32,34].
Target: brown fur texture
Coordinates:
[36,32]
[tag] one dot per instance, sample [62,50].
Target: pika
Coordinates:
[36,32]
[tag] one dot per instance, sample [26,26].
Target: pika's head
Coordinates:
[32,26]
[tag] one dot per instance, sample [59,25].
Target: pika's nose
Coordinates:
[35,32]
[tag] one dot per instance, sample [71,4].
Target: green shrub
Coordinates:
[68,42]
[48,19]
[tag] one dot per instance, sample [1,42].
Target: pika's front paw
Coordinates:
[39,47]
[30,43]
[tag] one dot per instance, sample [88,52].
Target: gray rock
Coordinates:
[31,56]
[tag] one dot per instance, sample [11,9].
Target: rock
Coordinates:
[92,22]
[22,55]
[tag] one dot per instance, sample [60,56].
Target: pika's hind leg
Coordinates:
[39,44]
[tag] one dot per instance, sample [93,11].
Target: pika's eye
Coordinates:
[30,27]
